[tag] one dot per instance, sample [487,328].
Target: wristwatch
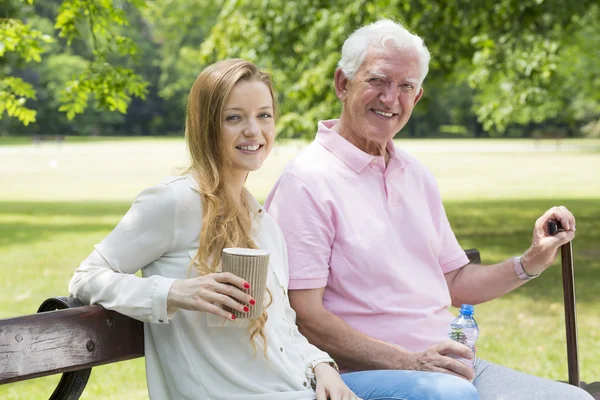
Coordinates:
[521,273]
[310,371]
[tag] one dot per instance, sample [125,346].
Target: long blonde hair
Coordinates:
[223,223]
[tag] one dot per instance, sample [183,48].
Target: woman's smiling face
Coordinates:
[248,126]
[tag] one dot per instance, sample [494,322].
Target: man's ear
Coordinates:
[341,83]
[419,95]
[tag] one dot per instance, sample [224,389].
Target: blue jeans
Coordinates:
[409,385]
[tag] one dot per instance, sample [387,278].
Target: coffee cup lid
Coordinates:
[240,251]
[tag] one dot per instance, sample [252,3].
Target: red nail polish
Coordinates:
[246,309]
[252,302]
[232,316]
[247,285]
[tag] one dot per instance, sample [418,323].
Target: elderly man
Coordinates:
[374,263]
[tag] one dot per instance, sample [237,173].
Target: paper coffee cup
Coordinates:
[253,266]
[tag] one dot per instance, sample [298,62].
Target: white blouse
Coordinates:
[195,355]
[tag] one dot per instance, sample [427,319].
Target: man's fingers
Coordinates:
[564,237]
[540,223]
[448,362]
[566,218]
[448,347]
[560,213]
[449,372]
[458,368]
[559,239]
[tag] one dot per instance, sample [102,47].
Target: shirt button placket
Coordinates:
[391,188]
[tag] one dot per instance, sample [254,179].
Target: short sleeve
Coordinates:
[307,228]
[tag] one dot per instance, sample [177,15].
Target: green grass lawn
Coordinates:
[56,203]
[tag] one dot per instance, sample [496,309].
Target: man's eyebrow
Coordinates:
[377,74]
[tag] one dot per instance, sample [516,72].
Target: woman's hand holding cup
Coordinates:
[209,293]
[252,265]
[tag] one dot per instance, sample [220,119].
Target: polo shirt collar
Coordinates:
[349,154]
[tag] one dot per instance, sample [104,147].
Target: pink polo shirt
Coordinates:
[376,237]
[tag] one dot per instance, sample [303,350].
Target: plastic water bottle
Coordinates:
[464,330]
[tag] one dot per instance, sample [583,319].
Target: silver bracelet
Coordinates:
[521,273]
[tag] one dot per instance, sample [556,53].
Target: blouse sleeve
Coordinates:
[106,276]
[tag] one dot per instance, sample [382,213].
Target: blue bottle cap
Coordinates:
[467,309]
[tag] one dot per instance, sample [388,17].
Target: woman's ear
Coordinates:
[341,83]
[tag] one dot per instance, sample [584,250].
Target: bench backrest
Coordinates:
[69,341]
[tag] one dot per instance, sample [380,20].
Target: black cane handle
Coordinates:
[554,227]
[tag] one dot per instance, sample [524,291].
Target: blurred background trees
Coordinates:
[117,67]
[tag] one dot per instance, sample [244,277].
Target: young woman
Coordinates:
[175,232]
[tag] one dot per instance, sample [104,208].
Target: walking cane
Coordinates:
[568,278]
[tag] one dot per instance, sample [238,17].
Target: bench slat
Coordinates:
[66,340]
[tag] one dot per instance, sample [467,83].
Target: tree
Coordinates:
[27,44]
[551,76]
[509,45]
[109,85]
[180,27]
[496,64]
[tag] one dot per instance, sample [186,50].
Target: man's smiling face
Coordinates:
[379,100]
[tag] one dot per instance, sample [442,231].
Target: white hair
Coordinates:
[376,36]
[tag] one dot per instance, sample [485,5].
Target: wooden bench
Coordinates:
[70,338]
[70,341]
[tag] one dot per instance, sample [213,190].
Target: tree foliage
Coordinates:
[498,66]
[26,43]
[109,84]
[511,49]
